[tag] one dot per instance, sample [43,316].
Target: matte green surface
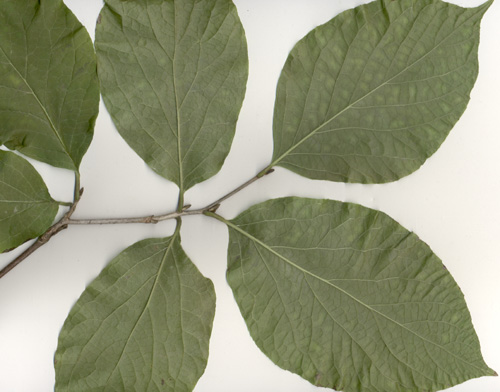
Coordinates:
[143,325]
[348,299]
[49,93]
[370,95]
[26,208]
[173,75]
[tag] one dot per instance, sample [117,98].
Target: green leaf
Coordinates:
[370,95]
[348,299]
[173,75]
[49,93]
[143,325]
[26,208]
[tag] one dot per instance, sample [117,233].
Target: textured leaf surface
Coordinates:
[49,93]
[348,299]
[143,325]
[370,95]
[173,75]
[26,208]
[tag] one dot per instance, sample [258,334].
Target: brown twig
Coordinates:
[66,220]
[43,239]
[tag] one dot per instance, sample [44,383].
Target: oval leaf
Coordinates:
[49,93]
[173,75]
[26,208]
[348,299]
[370,95]
[143,325]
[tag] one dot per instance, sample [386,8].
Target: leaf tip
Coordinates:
[485,6]
[490,372]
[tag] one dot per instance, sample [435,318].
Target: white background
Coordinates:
[452,203]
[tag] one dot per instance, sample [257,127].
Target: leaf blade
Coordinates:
[348,299]
[370,95]
[26,208]
[48,83]
[143,324]
[183,80]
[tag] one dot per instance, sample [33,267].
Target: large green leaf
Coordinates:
[49,93]
[173,75]
[143,325]
[26,208]
[348,299]
[370,95]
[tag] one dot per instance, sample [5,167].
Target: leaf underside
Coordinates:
[348,299]
[143,325]
[370,95]
[49,93]
[173,76]
[26,208]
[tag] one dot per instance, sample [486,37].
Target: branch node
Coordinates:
[63,227]
[265,172]
[151,219]
[214,208]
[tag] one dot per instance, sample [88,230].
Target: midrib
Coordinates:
[179,152]
[148,301]
[349,106]
[49,119]
[309,273]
